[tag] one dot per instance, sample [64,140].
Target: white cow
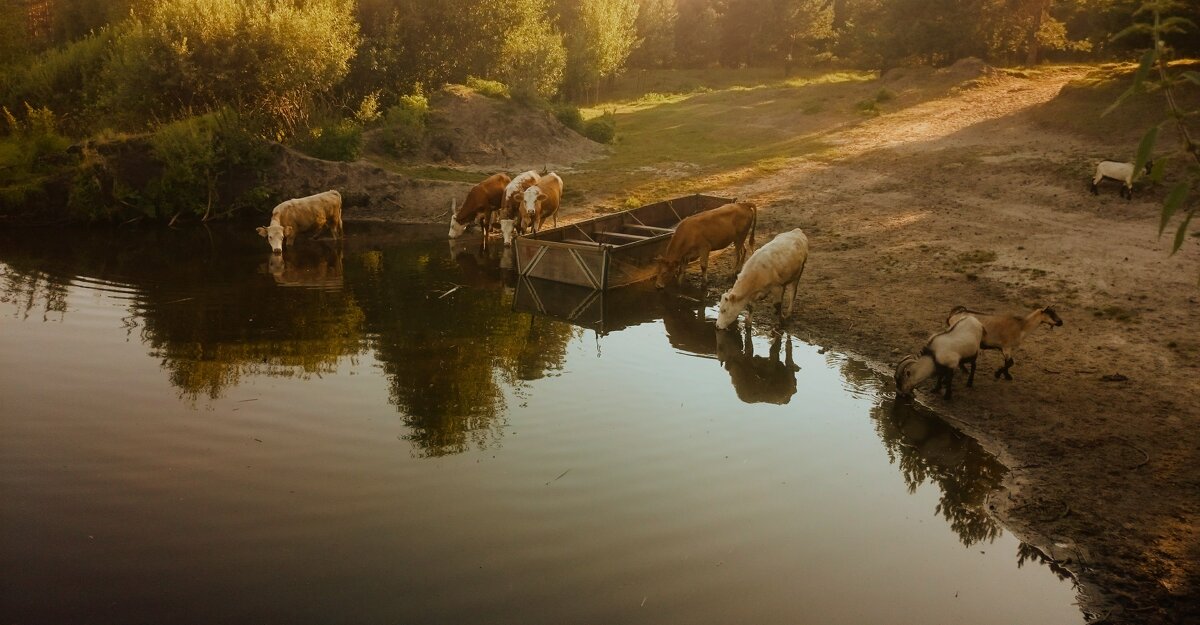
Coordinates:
[291,217]
[774,269]
[510,209]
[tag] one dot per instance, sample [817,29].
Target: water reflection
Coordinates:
[926,449]
[214,310]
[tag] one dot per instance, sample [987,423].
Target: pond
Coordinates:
[396,430]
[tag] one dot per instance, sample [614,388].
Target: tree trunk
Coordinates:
[1032,46]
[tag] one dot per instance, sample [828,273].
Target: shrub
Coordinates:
[62,79]
[569,116]
[30,148]
[404,125]
[334,140]
[201,157]
[601,129]
[489,88]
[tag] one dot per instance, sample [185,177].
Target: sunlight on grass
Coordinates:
[726,131]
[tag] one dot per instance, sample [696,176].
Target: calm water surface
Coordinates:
[391,432]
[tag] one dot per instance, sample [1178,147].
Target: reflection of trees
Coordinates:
[446,350]
[209,305]
[1028,553]
[27,290]
[925,449]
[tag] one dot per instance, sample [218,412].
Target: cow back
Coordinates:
[711,230]
[777,263]
[487,195]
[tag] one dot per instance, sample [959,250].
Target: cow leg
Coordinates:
[703,269]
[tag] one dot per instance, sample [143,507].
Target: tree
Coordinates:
[191,56]
[532,57]
[656,29]
[600,36]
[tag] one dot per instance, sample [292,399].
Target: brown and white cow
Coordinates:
[706,232]
[542,199]
[510,212]
[292,217]
[482,200]
[774,269]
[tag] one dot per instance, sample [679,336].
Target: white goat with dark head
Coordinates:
[1121,172]
[942,354]
[1005,332]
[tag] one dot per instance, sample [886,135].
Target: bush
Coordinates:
[30,148]
[404,125]
[569,116]
[207,54]
[201,157]
[335,140]
[489,88]
[64,79]
[601,129]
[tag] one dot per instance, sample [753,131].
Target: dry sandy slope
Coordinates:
[967,200]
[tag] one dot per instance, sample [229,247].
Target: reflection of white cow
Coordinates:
[312,267]
[292,217]
[774,269]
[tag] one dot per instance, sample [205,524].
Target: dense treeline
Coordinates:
[317,72]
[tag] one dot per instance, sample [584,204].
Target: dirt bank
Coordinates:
[978,196]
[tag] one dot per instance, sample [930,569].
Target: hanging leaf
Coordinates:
[1182,232]
[1138,76]
[1160,168]
[1174,199]
[1193,77]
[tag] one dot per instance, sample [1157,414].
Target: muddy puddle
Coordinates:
[400,431]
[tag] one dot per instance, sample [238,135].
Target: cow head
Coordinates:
[533,199]
[275,234]
[728,309]
[456,228]
[507,229]
[668,271]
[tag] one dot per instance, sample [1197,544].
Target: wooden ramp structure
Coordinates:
[611,250]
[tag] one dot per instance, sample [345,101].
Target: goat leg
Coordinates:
[949,382]
[971,377]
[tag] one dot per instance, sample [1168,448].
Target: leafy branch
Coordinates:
[1153,75]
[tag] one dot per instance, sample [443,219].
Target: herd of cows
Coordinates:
[522,203]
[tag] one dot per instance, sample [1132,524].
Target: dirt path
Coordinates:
[967,200]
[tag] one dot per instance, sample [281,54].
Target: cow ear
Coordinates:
[262,232]
[541,197]
[288,231]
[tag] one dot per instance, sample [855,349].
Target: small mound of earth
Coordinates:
[466,128]
[966,69]
[368,191]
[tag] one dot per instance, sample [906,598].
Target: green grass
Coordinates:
[731,127]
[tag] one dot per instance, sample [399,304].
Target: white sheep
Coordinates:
[942,354]
[1121,172]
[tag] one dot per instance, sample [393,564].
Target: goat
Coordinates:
[1121,172]
[942,354]
[1005,332]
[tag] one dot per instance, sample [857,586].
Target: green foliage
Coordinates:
[532,57]
[601,34]
[404,125]
[601,129]
[196,155]
[489,88]
[267,56]
[30,150]
[569,116]
[64,79]
[332,140]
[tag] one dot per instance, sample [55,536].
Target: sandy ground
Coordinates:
[970,198]
[963,200]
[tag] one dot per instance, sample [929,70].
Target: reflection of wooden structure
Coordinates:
[602,311]
[611,250]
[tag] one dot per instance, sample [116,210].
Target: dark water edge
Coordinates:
[394,429]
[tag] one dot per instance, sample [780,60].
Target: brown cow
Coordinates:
[291,217]
[706,232]
[542,199]
[482,200]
